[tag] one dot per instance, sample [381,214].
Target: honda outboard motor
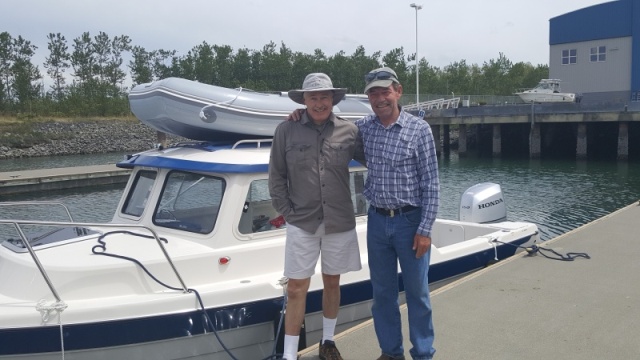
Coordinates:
[483,203]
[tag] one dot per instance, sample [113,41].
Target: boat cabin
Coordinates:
[552,85]
[196,182]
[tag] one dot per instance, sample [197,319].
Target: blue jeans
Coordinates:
[389,240]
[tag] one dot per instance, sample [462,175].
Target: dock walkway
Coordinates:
[21,181]
[532,307]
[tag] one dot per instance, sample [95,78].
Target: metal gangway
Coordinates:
[442,103]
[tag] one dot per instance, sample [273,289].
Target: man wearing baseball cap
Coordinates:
[402,187]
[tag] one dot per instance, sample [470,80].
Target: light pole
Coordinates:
[417,7]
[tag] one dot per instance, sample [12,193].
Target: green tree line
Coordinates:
[89,75]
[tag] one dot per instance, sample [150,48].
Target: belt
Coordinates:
[393,212]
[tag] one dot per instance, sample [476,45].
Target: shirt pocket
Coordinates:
[338,154]
[400,155]
[298,154]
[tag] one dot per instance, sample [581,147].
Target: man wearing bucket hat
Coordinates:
[309,186]
[403,189]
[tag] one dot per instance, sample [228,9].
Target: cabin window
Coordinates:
[139,193]
[569,56]
[189,202]
[258,214]
[360,203]
[598,54]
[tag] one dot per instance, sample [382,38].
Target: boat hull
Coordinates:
[211,113]
[248,330]
[189,257]
[546,97]
[547,90]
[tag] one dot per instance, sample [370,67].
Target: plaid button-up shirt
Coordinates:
[402,165]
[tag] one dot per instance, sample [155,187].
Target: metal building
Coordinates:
[592,50]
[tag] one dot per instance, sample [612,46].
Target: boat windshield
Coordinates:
[189,202]
[548,86]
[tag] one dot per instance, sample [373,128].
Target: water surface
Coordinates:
[557,195]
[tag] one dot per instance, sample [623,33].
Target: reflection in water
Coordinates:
[87,204]
[557,195]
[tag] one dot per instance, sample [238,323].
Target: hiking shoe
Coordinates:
[329,351]
[387,357]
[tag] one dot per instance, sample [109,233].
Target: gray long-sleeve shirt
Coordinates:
[309,173]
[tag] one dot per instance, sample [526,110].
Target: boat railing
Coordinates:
[19,223]
[257,142]
[39,203]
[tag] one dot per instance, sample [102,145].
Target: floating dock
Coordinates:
[23,181]
[532,307]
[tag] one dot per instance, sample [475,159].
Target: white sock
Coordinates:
[290,347]
[328,328]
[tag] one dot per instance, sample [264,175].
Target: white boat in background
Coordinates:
[190,267]
[204,112]
[547,90]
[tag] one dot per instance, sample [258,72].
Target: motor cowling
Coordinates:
[483,203]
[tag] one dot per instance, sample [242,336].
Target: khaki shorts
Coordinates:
[340,252]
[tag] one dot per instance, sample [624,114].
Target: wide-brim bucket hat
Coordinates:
[317,82]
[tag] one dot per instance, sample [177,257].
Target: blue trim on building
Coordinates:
[609,20]
[635,48]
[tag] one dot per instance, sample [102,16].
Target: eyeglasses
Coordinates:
[380,75]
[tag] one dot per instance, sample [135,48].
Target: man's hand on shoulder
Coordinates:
[296,115]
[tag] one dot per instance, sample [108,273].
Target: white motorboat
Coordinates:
[547,90]
[191,264]
[204,112]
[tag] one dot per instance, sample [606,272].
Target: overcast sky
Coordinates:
[448,30]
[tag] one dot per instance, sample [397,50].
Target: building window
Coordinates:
[569,56]
[598,54]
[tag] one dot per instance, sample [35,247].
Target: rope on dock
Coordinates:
[535,249]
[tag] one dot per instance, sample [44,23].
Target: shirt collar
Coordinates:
[306,120]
